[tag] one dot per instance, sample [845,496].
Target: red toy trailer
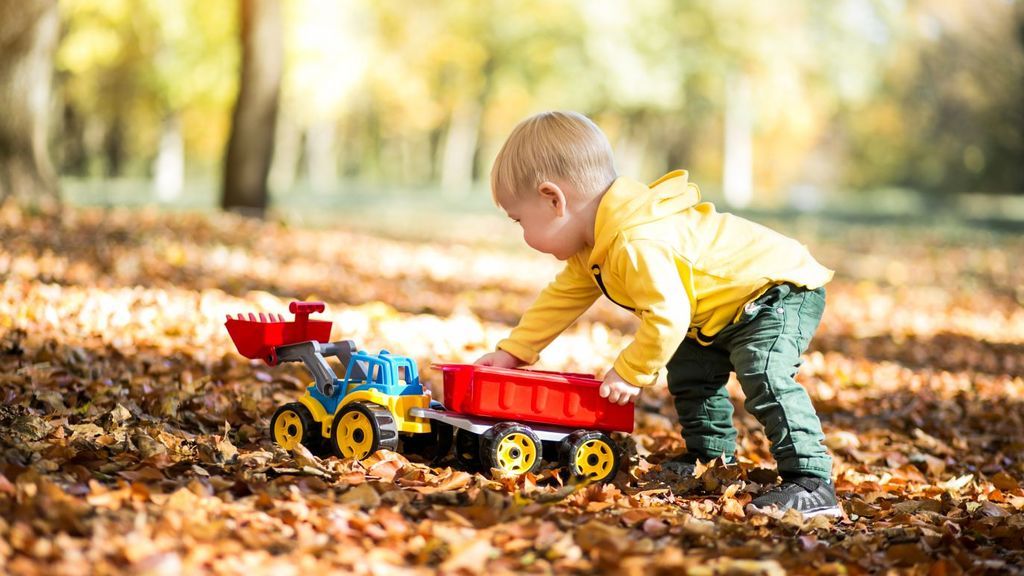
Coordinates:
[505,417]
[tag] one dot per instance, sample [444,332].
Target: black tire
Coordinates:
[296,423]
[589,455]
[467,450]
[362,428]
[512,448]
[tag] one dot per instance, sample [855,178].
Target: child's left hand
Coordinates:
[617,390]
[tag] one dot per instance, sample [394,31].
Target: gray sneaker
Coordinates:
[806,494]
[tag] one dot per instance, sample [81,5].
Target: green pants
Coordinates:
[763,347]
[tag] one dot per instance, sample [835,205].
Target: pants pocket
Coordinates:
[768,301]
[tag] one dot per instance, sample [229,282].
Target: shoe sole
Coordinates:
[777,513]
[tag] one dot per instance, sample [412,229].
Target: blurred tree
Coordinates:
[251,145]
[815,96]
[28,37]
[144,85]
[947,115]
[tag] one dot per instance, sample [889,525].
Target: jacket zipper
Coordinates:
[600,283]
[700,336]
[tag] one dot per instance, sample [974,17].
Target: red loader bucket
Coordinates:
[256,336]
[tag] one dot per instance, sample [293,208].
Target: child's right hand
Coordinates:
[499,359]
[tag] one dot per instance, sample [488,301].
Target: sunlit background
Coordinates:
[877,106]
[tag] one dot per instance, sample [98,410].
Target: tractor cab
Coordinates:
[386,373]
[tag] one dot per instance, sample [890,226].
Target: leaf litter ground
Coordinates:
[134,438]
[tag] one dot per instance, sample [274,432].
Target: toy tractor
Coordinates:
[351,417]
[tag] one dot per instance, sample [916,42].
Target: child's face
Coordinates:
[548,224]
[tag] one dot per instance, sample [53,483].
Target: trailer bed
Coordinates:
[531,396]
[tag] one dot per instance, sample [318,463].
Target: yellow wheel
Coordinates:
[590,455]
[516,453]
[594,459]
[362,428]
[292,424]
[512,448]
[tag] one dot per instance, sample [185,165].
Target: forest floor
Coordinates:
[133,437]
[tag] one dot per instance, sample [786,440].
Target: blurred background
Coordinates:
[898,108]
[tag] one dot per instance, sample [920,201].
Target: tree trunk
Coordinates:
[284,168]
[738,166]
[322,157]
[28,38]
[169,168]
[460,149]
[251,145]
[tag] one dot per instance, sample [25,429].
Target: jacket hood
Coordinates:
[629,203]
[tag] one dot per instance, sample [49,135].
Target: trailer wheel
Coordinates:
[512,448]
[467,450]
[432,446]
[589,455]
[362,428]
[292,424]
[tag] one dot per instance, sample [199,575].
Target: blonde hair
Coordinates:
[550,145]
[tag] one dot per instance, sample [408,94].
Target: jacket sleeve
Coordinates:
[559,305]
[659,283]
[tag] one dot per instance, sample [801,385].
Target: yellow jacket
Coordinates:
[681,267]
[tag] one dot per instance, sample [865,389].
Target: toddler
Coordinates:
[714,293]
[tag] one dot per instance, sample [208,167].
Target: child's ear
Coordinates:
[553,197]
